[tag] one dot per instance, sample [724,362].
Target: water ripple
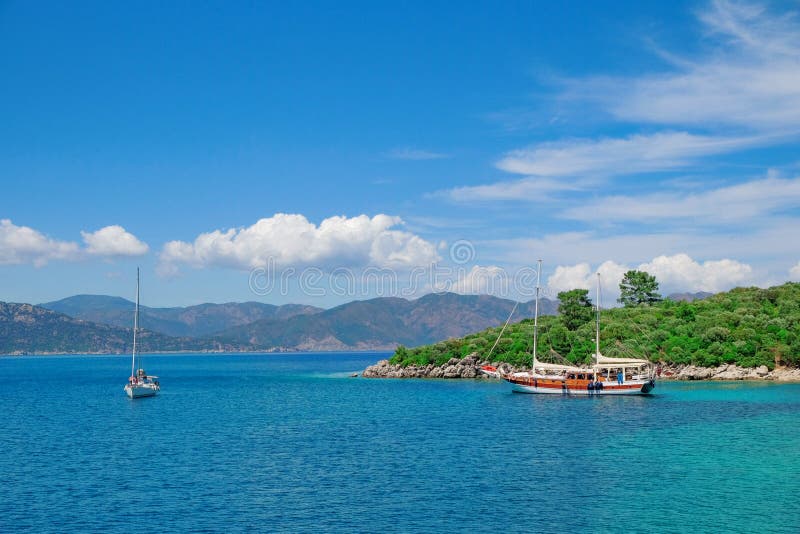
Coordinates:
[289,443]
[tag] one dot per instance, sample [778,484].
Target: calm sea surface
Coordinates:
[291,443]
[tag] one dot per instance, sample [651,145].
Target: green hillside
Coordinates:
[746,326]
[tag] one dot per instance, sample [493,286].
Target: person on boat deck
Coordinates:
[619,377]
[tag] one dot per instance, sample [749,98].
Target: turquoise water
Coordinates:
[291,443]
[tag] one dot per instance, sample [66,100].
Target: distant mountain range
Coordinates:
[200,321]
[25,328]
[98,323]
[383,323]
[689,297]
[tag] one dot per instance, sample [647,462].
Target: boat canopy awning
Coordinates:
[619,362]
[558,367]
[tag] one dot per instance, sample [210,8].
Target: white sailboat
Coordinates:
[140,384]
[631,376]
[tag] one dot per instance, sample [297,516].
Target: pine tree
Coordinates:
[638,287]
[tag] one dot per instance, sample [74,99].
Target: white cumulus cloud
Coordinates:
[21,244]
[681,271]
[794,273]
[582,276]
[674,274]
[566,277]
[113,241]
[482,280]
[285,240]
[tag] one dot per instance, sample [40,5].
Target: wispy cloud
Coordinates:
[564,166]
[749,78]
[629,155]
[530,188]
[722,205]
[428,223]
[414,154]
[746,81]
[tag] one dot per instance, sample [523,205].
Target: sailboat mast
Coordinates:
[536,316]
[597,324]
[135,326]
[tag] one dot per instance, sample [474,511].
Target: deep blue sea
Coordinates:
[288,442]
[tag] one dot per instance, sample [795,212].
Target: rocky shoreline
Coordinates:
[469,367]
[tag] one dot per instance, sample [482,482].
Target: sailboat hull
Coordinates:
[147,390]
[579,387]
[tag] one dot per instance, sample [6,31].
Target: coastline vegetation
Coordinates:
[749,327]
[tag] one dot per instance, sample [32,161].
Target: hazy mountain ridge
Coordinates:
[25,328]
[383,323]
[198,321]
[689,297]
[375,324]
[380,323]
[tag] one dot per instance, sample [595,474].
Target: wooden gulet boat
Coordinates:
[607,376]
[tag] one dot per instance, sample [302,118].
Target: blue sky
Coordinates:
[207,143]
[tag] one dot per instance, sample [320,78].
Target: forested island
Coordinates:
[749,328]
